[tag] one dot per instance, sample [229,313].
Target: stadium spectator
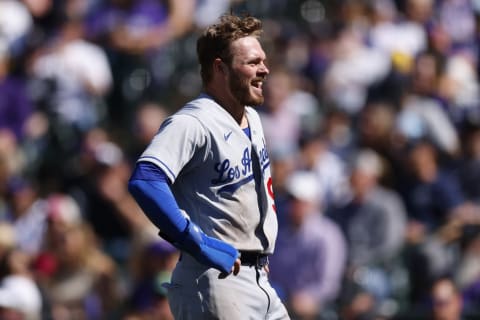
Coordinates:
[78,279]
[139,36]
[432,193]
[446,300]
[27,212]
[314,155]
[374,223]
[15,23]
[152,268]
[20,297]
[101,190]
[15,104]
[354,68]
[401,39]
[286,107]
[422,116]
[81,75]
[308,236]
[148,117]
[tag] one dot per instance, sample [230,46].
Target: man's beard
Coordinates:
[241,91]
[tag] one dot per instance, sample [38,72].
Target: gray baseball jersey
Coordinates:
[220,177]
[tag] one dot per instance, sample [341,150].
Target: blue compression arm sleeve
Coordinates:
[149,186]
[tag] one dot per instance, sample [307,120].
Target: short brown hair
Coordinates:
[216,39]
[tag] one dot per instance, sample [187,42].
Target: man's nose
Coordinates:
[263,69]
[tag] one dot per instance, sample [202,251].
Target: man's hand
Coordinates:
[207,250]
[235,270]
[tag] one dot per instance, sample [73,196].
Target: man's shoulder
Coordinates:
[202,107]
[196,105]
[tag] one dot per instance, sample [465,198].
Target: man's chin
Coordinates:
[255,101]
[250,99]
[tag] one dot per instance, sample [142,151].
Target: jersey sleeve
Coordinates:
[180,139]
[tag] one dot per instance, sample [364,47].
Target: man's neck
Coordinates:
[230,104]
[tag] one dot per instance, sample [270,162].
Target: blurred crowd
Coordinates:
[372,118]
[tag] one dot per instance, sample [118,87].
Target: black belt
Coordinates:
[253,258]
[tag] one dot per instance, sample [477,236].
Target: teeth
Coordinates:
[257,84]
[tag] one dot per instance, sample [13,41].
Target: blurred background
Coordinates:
[372,118]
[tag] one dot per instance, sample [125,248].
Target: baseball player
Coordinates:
[205,182]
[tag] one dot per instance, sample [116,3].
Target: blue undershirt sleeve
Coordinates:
[150,188]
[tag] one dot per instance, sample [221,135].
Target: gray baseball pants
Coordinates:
[196,293]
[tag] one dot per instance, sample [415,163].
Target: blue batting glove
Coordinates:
[209,251]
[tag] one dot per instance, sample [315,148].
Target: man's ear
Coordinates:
[220,66]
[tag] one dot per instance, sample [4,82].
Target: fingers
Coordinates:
[235,270]
[236,267]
